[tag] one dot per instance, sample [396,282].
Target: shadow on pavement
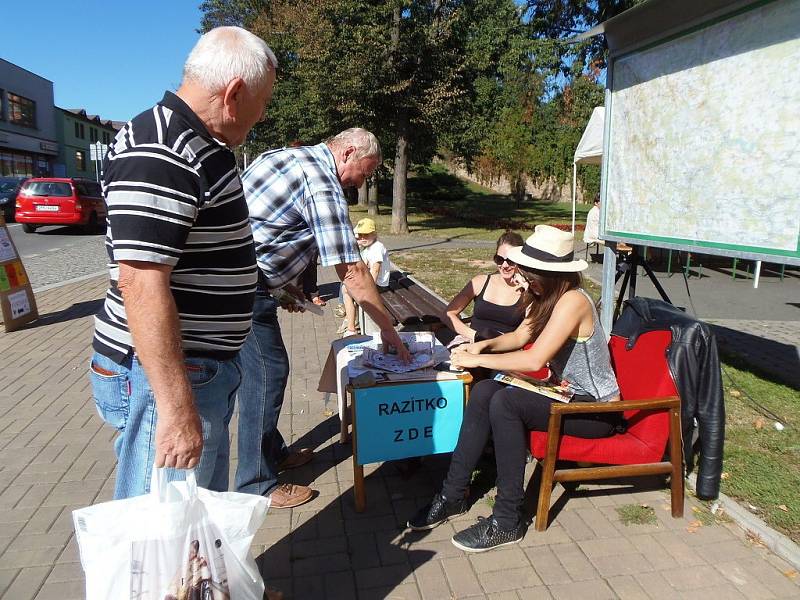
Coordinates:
[776,359]
[76,311]
[335,552]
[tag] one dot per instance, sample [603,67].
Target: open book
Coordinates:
[545,388]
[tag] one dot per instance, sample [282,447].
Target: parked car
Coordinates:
[9,187]
[60,201]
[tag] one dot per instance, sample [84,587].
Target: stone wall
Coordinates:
[548,192]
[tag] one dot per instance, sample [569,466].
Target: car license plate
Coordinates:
[46,208]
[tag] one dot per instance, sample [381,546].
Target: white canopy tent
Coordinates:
[589,151]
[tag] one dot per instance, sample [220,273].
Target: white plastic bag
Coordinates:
[179,542]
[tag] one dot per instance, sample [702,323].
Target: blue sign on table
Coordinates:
[400,421]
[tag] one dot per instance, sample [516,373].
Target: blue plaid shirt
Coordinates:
[297,205]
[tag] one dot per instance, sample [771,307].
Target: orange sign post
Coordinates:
[17,302]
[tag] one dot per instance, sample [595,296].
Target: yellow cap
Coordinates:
[365,226]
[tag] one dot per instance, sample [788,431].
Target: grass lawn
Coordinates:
[441,205]
[761,465]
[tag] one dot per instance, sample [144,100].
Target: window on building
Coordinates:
[106,137]
[83,133]
[77,129]
[80,160]
[21,110]
[2,105]
[15,164]
[92,134]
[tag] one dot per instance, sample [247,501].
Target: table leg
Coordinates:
[358,486]
[344,433]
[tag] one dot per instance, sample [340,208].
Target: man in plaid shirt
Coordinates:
[297,206]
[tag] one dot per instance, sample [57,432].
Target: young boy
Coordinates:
[374,254]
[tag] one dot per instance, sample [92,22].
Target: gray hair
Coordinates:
[365,143]
[225,53]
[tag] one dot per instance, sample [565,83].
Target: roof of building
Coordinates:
[81,112]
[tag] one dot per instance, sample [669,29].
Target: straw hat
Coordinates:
[548,249]
[365,225]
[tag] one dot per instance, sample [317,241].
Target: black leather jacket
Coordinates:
[694,364]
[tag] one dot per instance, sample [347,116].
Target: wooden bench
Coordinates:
[412,306]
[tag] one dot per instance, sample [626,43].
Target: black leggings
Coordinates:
[509,413]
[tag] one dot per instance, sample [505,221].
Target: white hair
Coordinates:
[365,143]
[224,53]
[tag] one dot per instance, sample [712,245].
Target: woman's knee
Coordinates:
[480,397]
[503,406]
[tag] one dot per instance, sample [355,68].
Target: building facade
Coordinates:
[28,139]
[77,131]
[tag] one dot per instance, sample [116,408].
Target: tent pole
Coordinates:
[574,194]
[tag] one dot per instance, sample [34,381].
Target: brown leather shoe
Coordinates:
[296,458]
[289,495]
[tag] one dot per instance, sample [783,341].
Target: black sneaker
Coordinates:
[485,535]
[437,512]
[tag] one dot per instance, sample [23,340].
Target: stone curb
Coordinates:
[774,540]
[52,286]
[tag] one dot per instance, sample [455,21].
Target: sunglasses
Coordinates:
[499,260]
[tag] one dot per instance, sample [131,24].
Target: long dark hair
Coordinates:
[554,284]
[512,238]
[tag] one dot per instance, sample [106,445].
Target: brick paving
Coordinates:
[56,455]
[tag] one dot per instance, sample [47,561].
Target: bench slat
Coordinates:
[399,309]
[424,309]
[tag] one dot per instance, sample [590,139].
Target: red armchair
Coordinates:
[651,407]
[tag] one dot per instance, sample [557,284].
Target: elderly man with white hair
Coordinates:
[297,207]
[182,267]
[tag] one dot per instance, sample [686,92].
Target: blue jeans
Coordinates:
[125,401]
[265,364]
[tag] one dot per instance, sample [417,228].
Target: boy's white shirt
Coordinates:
[376,252]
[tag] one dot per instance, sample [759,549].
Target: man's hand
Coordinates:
[179,440]
[391,339]
[295,291]
[290,298]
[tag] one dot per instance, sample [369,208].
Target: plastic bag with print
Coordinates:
[179,542]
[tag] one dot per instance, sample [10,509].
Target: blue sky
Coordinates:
[114,58]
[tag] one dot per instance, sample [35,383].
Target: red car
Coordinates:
[60,201]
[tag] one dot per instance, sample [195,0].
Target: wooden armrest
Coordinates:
[607,407]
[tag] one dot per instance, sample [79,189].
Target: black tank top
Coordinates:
[490,320]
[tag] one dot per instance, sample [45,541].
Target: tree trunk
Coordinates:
[518,185]
[372,197]
[362,194]
[399,219]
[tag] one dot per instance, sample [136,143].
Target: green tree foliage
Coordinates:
[553,22]
[394,67]
[558,126]
[492,82]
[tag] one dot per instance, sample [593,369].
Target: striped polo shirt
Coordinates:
[174,197]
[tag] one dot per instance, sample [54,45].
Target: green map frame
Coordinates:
[679,243]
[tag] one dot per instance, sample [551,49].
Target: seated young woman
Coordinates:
[498,299]
[564,326]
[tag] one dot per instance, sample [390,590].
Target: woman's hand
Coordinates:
[465,360]
[472,348]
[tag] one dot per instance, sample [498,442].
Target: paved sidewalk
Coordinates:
[56,455]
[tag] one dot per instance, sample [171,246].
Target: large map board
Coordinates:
[703,138]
